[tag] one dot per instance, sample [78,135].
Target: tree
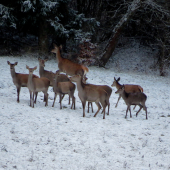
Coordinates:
[117,32]
[44,18]
[146,19]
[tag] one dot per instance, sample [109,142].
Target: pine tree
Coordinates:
[44,18]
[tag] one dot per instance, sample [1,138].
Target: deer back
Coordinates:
[130,88]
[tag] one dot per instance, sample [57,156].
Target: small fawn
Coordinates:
[129,88]
[63,88]
[138,98]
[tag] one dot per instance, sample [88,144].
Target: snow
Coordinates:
[49,138]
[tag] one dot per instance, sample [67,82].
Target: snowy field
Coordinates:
[47,138]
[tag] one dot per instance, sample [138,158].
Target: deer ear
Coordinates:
[16,63]
[8,63]
[118,79]
[46,59]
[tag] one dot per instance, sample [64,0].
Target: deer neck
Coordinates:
[30,80]
[118,85]
[124,95]
[58,56]
[80,86]
[41,71]
[13,73]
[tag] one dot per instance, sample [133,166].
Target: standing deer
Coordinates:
[50,75]
[137,98]
[91,93]
[129,88]
[67,66]
[45,73]
[63,88]
[104,87]
[19,80]
[109,92]
[37,85]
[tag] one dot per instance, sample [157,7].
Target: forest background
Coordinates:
[88,30]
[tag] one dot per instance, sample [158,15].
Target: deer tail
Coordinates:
[140,88]
[85,69]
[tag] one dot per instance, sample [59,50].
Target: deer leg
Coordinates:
[107,104]
[134,107]
[118,100]
[36,94]
[108,108]
[33,100]
[92,107]
[90,103]
[30,97]
[104,105]
[60,101]
[88,107]
[18,92]
[145,108]
[99,107]
[130,112]
[55,95]
[139,109]
[69,100]
[127,111]
[46,97]
[73,102]
[83,104]
[62,96]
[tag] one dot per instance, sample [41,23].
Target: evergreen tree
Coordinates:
[45,18]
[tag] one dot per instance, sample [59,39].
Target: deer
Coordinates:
[67,66]
[45,73]
[50,74]
[37,85]
[137,98]
[63,88]
[19,79]
[91,93]
[129,88]
[104,87]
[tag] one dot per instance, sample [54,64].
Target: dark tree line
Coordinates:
[81,24]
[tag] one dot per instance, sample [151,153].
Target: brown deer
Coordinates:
[91,93]
[67,66]
[137,98]
[19,80]
[129,88]
[104,87]
[63,88]
[45,73]
[37,85]
[50,75]
[109,92]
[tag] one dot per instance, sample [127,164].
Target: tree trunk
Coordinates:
[43,38]
[117,32]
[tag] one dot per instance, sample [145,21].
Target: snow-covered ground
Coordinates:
[47,138]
